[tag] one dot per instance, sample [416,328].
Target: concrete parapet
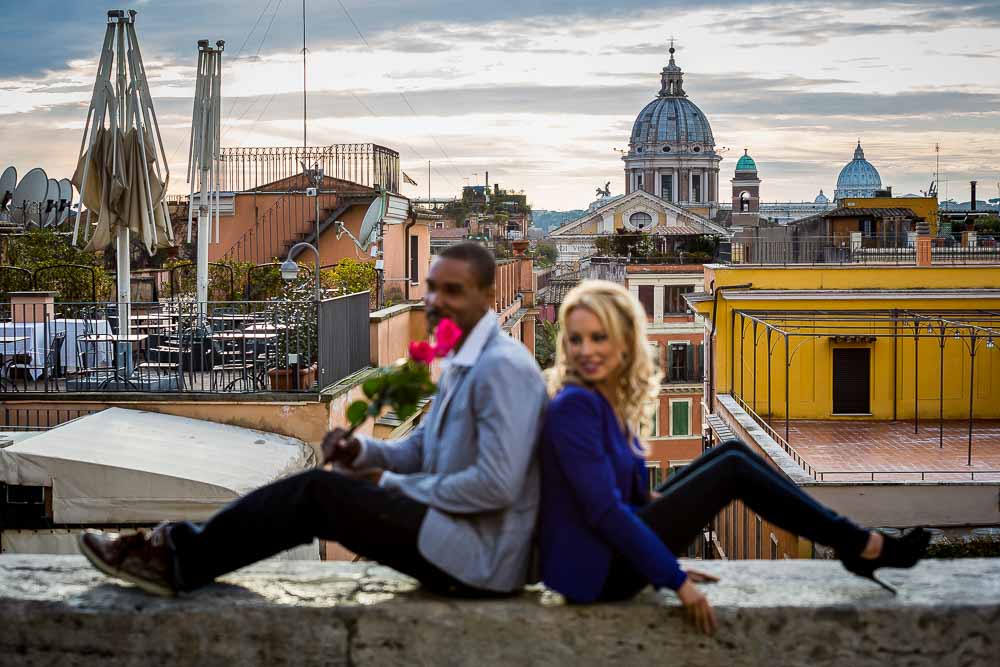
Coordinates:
[57,610]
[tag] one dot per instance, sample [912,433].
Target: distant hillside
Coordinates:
[549,220]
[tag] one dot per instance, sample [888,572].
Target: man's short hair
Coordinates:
[479,258]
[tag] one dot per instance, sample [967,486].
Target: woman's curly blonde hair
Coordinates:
[621,315]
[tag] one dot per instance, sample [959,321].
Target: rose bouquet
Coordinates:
[402,385]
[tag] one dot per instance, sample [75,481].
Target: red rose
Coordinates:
[446,336]
[421,350]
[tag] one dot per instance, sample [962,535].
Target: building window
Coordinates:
[638,180]
[680,417]
[673,298]
[667,186]
[414,259]
[654,474]
[640,220]
[744,202]
[774,547]
[678,362]
[646,299]
[696,187]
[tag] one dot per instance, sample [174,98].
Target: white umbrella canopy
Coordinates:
[119,199]
[119,168]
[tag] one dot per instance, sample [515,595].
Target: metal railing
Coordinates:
[250,168]
[923,475]
[39,419]
[176,346]
[822,475]
[801,462]
[345,342]
[289,220]
[682,375]
[844,250]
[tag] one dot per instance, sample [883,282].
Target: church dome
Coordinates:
[746,163]
[672,123]
[858,178]
[821,198]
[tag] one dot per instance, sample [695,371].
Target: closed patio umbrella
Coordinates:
[122,173]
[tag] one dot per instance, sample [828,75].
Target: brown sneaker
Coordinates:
[144,558]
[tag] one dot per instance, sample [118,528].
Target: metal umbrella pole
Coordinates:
[203,163]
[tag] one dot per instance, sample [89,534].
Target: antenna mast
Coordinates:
[304,142]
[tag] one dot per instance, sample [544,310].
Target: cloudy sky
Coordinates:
[540,93]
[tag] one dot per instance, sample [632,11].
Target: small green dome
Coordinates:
[746,163]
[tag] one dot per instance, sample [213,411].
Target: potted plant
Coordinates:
[294,315]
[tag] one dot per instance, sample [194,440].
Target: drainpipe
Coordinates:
[406,253]
[711,340]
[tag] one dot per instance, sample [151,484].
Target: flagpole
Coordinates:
[428,182]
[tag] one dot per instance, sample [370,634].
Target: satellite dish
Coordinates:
[7,182]
[65,200]
[50,211]
[29,197]
[369,226]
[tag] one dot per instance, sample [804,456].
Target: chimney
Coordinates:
[972,204]
[487,180]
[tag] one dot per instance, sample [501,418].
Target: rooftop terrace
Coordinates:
[891,451]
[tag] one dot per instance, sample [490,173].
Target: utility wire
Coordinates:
[400,141]
[258,97]
[401,94]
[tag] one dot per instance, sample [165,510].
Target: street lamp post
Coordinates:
[290,269]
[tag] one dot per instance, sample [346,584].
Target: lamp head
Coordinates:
[289,270]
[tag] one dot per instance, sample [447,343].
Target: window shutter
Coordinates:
[646,298]
[679,418]
[689,369]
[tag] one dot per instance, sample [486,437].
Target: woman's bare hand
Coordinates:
[697,607]
[699,577]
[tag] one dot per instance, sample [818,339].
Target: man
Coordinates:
[453,504]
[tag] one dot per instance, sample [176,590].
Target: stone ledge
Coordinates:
[57,610]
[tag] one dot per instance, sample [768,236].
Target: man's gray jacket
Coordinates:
[473,461]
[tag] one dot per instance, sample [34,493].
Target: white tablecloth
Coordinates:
[40,335]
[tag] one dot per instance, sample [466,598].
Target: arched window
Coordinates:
[744,202]
[640,220]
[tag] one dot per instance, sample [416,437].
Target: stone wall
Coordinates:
[57,610]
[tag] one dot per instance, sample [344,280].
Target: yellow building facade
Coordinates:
[924,207]
[915,328]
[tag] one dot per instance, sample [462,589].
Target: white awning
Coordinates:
[128,466]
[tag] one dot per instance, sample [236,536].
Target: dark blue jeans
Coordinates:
[731,471]
[378,524]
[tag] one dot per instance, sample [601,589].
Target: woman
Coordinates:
[602,537]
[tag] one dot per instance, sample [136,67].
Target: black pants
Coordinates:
[732,471]
[378,524]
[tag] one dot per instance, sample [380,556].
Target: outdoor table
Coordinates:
[74,330]
[236,336]
[39,335]
[120,341]
[4,342]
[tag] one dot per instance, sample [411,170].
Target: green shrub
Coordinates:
[976,547]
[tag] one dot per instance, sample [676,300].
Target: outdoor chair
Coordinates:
[49,364]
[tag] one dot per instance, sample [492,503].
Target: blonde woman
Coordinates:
[601,536]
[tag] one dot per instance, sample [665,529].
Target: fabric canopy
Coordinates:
[127,466]
[121,200]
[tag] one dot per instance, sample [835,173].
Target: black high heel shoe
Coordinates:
[900,552]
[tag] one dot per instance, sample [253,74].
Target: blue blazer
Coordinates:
[592,483]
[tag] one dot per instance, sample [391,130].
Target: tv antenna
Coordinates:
[28,197]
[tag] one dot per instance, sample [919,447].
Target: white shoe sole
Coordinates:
[148,586]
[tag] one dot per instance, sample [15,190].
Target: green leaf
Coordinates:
[373,385]
[356,412]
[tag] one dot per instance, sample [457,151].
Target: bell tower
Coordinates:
[746,192]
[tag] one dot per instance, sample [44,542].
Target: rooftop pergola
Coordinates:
[975,330]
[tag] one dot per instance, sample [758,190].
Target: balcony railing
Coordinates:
[844,250]
[369,165]
[183,346]
[683,375]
